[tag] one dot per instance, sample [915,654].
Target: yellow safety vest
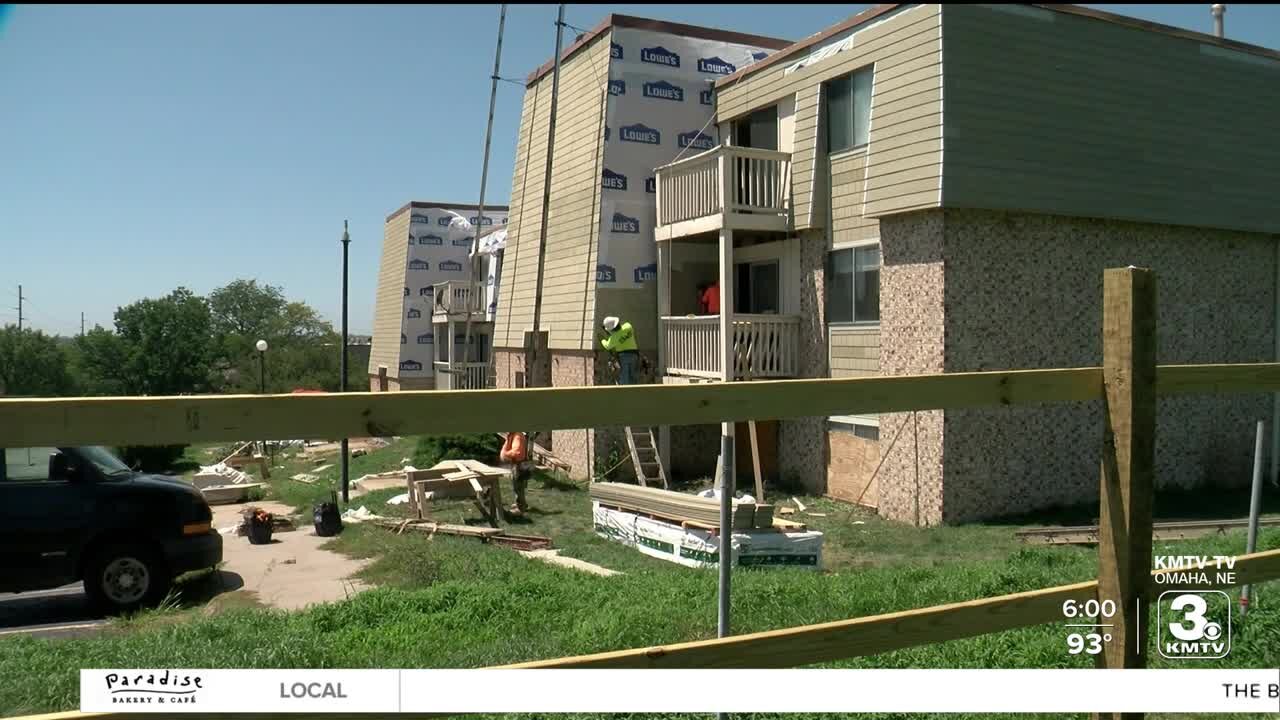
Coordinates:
[620,340]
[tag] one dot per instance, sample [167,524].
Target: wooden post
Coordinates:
[665,248]
[1128,459]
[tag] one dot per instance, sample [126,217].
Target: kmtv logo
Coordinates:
[704,97]
[1190,628]
[716,66]
[416,264]
[638,133]
[430,240]
[663,90]
[624,224]
[615,51]
[450,266]
[617,87]
[659,56]
[645,273]
[419,219]
[650,185]
[610,180]
[696,139]
[606,274]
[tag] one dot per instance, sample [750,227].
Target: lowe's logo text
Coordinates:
[695,139]
[615,51]
[617,87]
[430,240]
[450,266]
[624,224]
[419,265]
[715,65]
[463,242]
[475,220]
[759,55]
[444,221]
[419,219]
[663,90]
[425,339]
[411,365]
[639,133]
[650,185]
[704,97]
[659,56]
[645,273]
[606,274]
[611,180]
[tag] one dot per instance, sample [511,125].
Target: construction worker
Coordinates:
[621,341]
[515,452]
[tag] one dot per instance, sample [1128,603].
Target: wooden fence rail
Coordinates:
[39,422]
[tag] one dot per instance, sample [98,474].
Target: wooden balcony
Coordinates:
[454,298]
[466,376]
[766,346]
[726,187]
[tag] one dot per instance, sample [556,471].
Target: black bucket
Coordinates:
[327,518]
[259,533]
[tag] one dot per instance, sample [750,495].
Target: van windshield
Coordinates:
[102,458]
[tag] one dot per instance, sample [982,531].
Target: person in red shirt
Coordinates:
[711,299]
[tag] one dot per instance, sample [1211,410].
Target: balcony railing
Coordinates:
[732,181]
[451,298]
[765,346]
[468,376]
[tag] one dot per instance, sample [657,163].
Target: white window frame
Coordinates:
[847,423]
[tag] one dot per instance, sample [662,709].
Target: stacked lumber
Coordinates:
[678,507]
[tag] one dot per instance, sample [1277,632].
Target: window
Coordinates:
[38,464]
[756,287]
[848,111]
[758,130]
[866,427]
[853,285]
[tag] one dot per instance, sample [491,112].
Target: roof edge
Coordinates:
[613,20]
[1125,20]
[444,206]
[846,24]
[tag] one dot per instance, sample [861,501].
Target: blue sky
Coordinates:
[142,148]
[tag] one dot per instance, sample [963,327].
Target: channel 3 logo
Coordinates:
[1190,629]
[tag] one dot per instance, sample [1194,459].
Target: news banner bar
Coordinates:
[669,691]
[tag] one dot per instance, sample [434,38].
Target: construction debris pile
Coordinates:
[685,529]
[222,484]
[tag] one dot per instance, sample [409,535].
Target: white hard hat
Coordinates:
[610,323]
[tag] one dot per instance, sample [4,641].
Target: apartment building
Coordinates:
[634,94]
[938,188]
[424,299]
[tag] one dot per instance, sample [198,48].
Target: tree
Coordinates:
[98,360]
[167,345]
[32,363]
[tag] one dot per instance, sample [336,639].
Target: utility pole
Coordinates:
[531,371]
[342,382]
[81,323]
[19,308]
[472,296]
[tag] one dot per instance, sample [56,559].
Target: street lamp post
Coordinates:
[261,345]
[342,382]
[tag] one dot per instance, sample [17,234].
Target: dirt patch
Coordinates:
[293,571]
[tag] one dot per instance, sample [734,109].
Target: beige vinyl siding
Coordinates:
[389,304]
[574,218]
[855,351]
[1057,113]
[848,188]
[905,146]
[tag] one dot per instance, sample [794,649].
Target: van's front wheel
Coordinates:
[124,578]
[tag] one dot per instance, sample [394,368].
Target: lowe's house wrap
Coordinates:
[659,108]
[439,251]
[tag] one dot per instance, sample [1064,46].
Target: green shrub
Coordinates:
[151,458]
[434,448]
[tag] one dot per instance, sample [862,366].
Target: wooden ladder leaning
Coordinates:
[644,456]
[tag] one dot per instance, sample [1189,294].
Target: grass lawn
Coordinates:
[452,602]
